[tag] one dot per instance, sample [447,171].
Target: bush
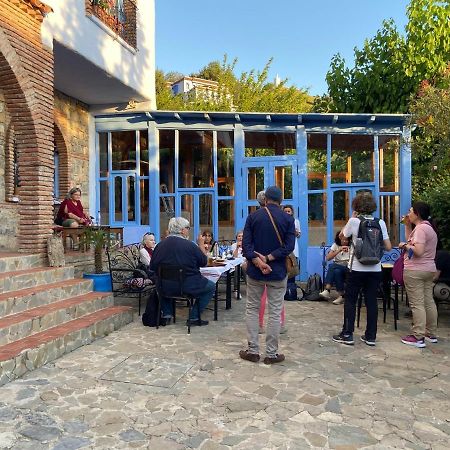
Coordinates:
[437,196]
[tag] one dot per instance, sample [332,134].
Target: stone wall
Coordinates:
[72,142]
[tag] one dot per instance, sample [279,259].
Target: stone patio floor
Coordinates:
[163,389]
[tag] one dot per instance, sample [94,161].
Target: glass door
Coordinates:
[259,176]
[124,199]
[198,208]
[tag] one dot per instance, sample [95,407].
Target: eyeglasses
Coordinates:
[187,228]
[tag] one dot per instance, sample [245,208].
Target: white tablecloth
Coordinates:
[214,273]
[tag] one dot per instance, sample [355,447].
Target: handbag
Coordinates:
[397,269]
[292,268]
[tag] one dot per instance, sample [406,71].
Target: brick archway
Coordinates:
[26,77]
[61,147]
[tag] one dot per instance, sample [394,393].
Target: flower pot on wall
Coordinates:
[102,281]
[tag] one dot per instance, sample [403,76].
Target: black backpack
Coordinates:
[313,287]
[150,316]
[369,246]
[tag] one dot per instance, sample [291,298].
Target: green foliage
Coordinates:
[251,91]
[437,196]
[390,66]
[431,141]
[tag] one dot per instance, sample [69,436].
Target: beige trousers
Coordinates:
[419,287]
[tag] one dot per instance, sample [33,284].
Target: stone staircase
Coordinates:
[45,312]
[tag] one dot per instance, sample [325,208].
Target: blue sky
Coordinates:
[300,35]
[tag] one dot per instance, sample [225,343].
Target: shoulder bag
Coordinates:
[291,260]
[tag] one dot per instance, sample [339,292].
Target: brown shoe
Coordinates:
[252,357]
[276,359]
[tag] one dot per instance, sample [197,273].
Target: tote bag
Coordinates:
[397,269]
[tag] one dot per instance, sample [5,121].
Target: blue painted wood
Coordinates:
[405,176]
[302,209]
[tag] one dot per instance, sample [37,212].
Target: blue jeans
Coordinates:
[336,275]
[202,300]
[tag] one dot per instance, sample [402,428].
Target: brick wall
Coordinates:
[72,142]
[26,78]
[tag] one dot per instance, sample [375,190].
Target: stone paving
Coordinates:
[164,389]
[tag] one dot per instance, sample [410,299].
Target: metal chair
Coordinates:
[172,277]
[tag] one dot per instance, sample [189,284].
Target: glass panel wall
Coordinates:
[317,218]
[390,213]
[226,219]
[187,211]
[103,154]
[317,161]
[144,195]
[388,147]
[123,150]
[255,181]
[225,163]
[195,159]
[143,151]
[131,190]
[283,179]
[104,202]
[341,209]
[206,209]
[167,161]
[352,158]
[118,216]
[166,212]
[269,144]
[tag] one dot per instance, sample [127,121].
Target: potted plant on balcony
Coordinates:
[104,10]
[98,239]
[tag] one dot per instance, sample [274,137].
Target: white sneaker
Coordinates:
[325,294]
[338,301]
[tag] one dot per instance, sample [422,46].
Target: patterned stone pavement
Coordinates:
[163,389]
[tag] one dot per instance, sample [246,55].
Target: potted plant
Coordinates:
[98,239]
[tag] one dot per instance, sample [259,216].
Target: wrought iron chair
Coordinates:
[127,279]
[174,276]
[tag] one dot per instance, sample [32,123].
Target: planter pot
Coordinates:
[102,281]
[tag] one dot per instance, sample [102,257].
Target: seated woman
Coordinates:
[146,252]
[337,269]
[71,213]
[442,276]
[211,246]
[236,247]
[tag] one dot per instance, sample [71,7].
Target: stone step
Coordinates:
[11,262]
[17,301]
[18,326]
[34,351]
[22,279]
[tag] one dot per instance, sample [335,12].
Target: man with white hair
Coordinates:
[177,250]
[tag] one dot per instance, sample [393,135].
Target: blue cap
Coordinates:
[274,193]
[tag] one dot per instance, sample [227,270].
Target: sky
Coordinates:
[301,36]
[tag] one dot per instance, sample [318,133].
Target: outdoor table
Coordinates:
[214,272]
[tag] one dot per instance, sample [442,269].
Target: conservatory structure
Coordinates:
[209,167]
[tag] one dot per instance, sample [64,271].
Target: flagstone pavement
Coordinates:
[164,389]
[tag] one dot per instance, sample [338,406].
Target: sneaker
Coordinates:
[342,338]
[252,357]
[283,329]
[370,342]
[197,322]
[325,294]
[431,338]
[238,296]
[412,340]
[262,330]
[276,359]
[338,301]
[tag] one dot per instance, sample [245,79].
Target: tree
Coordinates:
[251,91]
[390,66]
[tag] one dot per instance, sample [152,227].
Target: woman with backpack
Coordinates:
[369,239]
[419,271]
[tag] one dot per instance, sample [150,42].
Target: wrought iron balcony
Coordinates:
[118,15]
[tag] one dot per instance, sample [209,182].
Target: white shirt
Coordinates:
[297,228]
[351,229]
[144,257]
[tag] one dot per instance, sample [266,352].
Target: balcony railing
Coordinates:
[118,15]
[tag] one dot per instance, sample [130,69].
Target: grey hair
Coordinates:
[146,236]
[176,224]
[261,197]
[72,191]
